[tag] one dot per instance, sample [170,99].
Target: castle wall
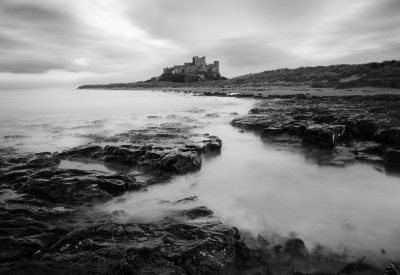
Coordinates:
[198,65]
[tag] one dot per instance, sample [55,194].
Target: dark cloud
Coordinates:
[29,65]
[30,12]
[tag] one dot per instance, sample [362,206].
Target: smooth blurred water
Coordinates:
[251,185]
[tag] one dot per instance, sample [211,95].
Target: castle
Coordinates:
[197,65]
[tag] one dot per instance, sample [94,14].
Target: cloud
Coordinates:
[134,40]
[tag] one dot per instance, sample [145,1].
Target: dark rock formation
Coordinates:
[323,135]
[333,130]
[47,225]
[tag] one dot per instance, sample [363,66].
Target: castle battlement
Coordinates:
[197,65]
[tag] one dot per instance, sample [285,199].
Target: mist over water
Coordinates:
[251,185]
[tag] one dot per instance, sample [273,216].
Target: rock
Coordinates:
[367,128]
[392,157]
[198,212]
[45,229]
[85,151]
[325,118]
[342,120]
[359,267]
[367,147]
[212,115]
[122,155]
[322,135]
[180,162]
[74,190]
[389,136]
[272,131]
[295,248]
[297,130]
[114,187]
[213,144]
[258,110]
[18,176]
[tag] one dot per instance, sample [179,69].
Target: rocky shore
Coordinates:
[50,224]
[331,130]
[47,226]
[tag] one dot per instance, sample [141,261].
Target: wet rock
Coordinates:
[185,200]
[76,190]
[325,118]
[180,162]
[359,267]
[35,161]
[18,176]
[46,229]
[389,136]
[198,212]
[295,248]
[258,110]
[367,147]
[392,157]
[297,130]
[212,115]
[364,118]
[85,151]
[114,187]
[122,155]
[368,152]
[322,135]
[213,144]
[392,269]
[367,128]
[272,131]
[118,249]
[252,122]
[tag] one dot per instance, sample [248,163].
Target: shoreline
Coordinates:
[257,92]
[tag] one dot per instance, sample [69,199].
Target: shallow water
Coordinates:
[251,185]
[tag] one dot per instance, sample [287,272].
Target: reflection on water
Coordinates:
[251,185]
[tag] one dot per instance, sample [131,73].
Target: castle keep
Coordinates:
[197,65]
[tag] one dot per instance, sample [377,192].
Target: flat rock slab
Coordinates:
[347,129]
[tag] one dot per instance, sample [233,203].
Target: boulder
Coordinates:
[212,145]
[392,157]
[198,212]
[297,130]
[389,136]
[180,162]
[121,155]
[114,187]
[323,135]
[367,128]
[295,248]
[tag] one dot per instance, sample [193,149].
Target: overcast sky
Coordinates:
[50,43]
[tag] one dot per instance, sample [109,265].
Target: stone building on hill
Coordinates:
[198,65]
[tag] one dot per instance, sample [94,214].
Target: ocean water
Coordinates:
[252,185]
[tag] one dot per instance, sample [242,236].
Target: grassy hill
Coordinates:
[384,74]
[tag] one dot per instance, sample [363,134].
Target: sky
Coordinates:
[63,43]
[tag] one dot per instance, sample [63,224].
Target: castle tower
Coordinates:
[216,66]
